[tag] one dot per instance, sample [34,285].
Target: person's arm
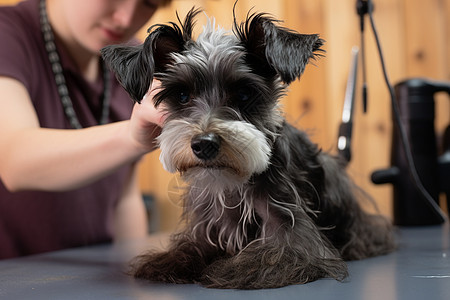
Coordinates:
[53,159]
[130,220]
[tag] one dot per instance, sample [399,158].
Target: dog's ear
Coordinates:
[273,50]
[135,66]
[134,70]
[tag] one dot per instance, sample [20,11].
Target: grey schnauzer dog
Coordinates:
[264,206]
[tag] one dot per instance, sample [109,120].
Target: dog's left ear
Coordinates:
[274,50]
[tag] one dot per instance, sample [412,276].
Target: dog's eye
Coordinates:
[243,94]
[184,97]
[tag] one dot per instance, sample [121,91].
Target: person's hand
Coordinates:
[146,120]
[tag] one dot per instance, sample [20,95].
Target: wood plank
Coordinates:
[305,103]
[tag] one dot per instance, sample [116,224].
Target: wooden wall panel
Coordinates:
[425,41]
[415,38]
[303,105]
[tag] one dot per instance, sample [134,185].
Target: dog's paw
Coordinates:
[270,269]
[166,267]
[228,274]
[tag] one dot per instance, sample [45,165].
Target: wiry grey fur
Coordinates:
[265,207]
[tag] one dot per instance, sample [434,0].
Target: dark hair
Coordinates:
[164,3]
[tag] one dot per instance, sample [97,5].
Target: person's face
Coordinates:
[94,24]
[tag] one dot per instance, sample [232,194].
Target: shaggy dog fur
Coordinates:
[264,207]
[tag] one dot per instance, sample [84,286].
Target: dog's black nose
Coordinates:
[206,146]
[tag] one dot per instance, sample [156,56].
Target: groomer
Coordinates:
[68,147]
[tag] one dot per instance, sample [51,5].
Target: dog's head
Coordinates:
[221,92]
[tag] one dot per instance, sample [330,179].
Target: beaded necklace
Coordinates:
[60,80]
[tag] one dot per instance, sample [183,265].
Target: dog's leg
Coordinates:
[290,255]
[183,262]
[369,235]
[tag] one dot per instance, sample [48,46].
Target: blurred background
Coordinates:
[415,37]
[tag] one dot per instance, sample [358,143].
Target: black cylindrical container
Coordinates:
[416,104]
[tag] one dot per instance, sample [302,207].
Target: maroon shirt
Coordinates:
[35,221]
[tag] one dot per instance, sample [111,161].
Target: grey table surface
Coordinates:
[419,269]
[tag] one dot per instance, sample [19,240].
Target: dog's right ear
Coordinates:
[133,69]
[135,66]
